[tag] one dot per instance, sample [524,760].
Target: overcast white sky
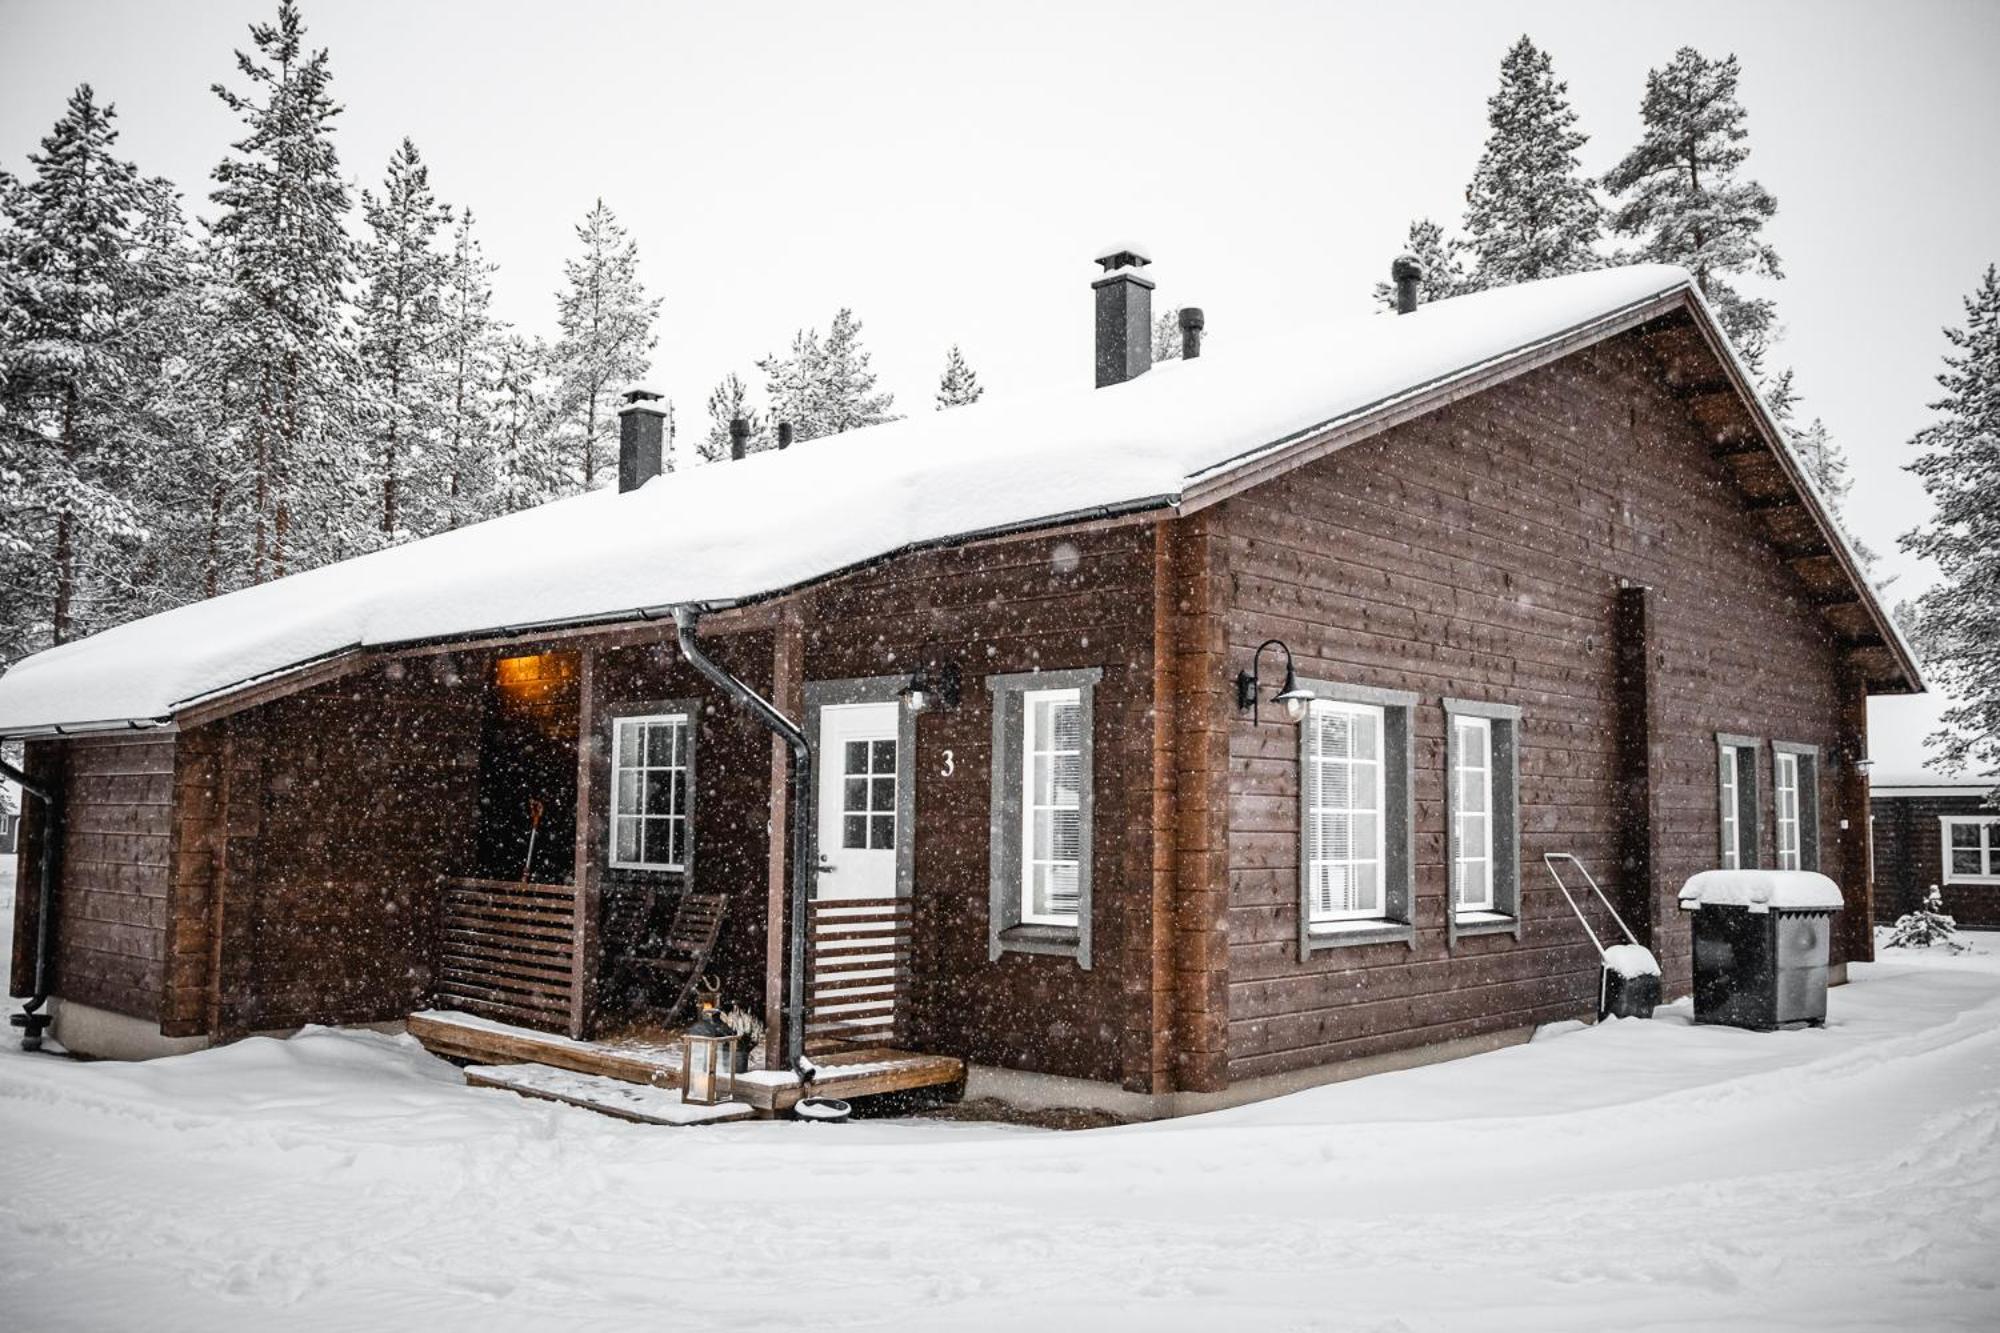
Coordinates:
[949,170]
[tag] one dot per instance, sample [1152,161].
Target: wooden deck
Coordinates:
[769,1092]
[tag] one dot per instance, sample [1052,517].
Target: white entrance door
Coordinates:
[858,814]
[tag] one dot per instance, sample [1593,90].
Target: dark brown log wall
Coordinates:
[112,894]
[1909,860]
[1478,553]
[1082,599]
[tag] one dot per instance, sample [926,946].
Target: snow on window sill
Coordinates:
[1484,923]
[1349,934]
[1036,937]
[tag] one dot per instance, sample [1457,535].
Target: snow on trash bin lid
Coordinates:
[1631,960]
[1761,890]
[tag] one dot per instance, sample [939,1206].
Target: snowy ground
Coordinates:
[1637,1175]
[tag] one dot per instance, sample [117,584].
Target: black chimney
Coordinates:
[739,437]
[1408,275]
[784,434]
[1124,317]
[1192,324]
[641,435]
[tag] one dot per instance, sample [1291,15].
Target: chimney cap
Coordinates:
[641,398]
[1405,268]
[1192,317]
[1113,257]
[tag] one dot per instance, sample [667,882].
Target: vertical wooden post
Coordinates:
[1854,928]
[1203,716]
[584,933]
[787,693]
[1637,709]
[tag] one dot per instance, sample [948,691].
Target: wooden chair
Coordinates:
[681,956]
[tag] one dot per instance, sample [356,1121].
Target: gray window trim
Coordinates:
[1749,800]
[1505,916]
[1399,834]
[619,710]
[1809,848]
[819,695]
[1005,931]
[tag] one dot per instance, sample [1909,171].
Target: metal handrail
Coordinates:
[1549,859]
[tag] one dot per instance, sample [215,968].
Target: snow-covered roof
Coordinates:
[729,533]
[1762,890]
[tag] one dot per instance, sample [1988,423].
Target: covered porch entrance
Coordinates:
[633,851]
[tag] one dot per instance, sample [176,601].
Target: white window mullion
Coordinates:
[1732,857]
[1787,773]
[1051,805]
[1345,814]
[649,799]
[1472,832]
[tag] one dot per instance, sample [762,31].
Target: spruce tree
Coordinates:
[958,386]
[1958,460]
[824,386]
[469,355]
[1167,335]
[401,326]
[71,373]
[1443,259]
[530,466]
[1682,195]
[288,258]
[607,338]
[1530,212]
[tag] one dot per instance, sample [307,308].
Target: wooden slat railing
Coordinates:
[505,950]
[858,970]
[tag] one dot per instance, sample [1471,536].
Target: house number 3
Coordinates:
[950,765]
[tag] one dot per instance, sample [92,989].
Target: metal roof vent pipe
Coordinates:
[739,438]
[784,434]
[642,429]
[1192,324]
[1408,275]
[1124,316]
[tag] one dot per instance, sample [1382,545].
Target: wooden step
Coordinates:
[609,1096]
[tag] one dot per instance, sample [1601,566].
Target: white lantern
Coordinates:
[708,1061]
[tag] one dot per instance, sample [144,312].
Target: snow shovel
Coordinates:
[535,808]
[1628,982]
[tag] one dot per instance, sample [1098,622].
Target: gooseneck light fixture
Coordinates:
[1295,697]
[932,687]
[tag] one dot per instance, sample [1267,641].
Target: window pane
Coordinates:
[882,831]
[1364,778]
[630,744]
[1367,891]
[1472,791]
[662,791]
[854,757]
[1065,725]
[854,831]
[885,756]
[628,793]
[1335,730]
[1367,834]
[854,795]
[627,840]
[884,797]
[1336,786]
[1365,730]
[1337,834]
[1965,835]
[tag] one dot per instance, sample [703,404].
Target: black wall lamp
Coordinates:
[932,687]
[1295,697]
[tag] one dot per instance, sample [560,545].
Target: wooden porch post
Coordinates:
[1854,928]
[787,693]
[583,941]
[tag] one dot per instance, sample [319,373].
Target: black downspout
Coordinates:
[685,621]
[31,1020]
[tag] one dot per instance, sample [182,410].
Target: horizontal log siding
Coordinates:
[111,896]
[1909,859]
[1084,599]
[1477,553]
[326,819]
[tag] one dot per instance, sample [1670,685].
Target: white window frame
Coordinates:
[683,807]
[1377,851]
[1009,928]
[1785,796]
[1033,748]
[1989,848]
[1482,853]
[1730,809]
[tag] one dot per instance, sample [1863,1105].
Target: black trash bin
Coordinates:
[1761,940]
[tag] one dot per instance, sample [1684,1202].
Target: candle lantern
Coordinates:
[708,1061]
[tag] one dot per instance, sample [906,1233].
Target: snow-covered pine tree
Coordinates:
[1930,926]
[824,385]
[1443,257]
[1958,460]
[1530,212]
[1681,193]
[958,386]
[469,354]
[727,401]
[607,338]
[530,458]
[1782,398]
[70,372]
[282,234]
[401,312]
[1167,335]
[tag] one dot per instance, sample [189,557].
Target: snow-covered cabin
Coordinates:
[1935,830]
[1538,567]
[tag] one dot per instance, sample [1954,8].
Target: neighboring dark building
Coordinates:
[1543,560]
[1936,832]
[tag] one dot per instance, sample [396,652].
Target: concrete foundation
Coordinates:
[99,1033]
